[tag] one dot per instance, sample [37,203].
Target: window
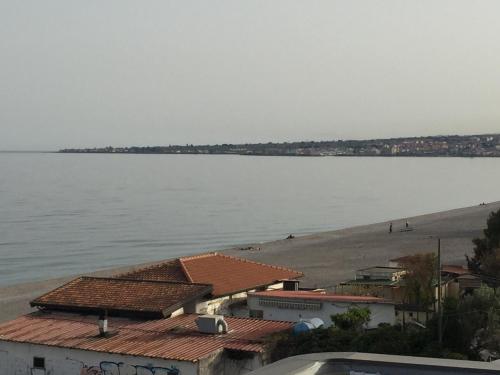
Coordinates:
[283,304]
[38,362]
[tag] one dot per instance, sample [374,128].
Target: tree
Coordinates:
[353,319]
[420,279]
[486,258]
[319,340]
[386,339]
[480,318]
[470,323]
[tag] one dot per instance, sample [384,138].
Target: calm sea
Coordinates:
[63,214]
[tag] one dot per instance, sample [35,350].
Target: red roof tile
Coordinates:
[402,259]
[458,270]
[227,274]
[166,271]
[151,298]
[175,338]
[310,295]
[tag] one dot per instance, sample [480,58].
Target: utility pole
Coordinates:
[440,310]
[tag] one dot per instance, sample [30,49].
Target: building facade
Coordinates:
[147,322]
[59,343]
[295,306]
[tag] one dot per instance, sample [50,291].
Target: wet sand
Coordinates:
[326,258]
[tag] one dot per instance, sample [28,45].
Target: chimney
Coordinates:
[103,324]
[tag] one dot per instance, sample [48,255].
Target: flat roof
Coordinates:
[315,296]
[313,363]
[176,338]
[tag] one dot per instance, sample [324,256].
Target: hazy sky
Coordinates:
[123,72]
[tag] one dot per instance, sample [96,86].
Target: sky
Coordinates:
[159,72]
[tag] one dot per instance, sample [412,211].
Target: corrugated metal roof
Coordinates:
[175,338]
[152,298]
[310,295]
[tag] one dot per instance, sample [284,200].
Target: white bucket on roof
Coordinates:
[316,322]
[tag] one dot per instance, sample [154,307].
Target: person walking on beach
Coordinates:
[407,225]
[390,228]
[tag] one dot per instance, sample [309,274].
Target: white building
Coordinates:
[294,306]
[145,322]
[58,343]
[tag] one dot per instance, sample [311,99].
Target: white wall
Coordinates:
[222,305]
[17,359]
[221,363]
[380,313]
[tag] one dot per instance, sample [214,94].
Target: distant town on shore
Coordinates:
[486,145]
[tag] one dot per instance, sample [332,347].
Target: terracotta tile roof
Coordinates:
[227,274]
[402,259]
[147,298]
[167,271]
[309,295]
[175,338]
[230,274]
[458,270]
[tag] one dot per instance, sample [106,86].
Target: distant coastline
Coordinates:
[485,145]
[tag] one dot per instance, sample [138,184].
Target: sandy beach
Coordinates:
[326,258]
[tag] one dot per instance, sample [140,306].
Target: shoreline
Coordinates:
[326,258]
[403,156]
[275,155]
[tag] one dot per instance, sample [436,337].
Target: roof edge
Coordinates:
[185,270]
[246,290]
[56,289]
[145,280]
[330,297]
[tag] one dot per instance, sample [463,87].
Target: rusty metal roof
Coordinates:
[227,274]
[175,338]
[119,296]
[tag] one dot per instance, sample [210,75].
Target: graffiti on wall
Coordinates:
[120,368]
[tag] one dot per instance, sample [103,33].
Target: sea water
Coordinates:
[63,214]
